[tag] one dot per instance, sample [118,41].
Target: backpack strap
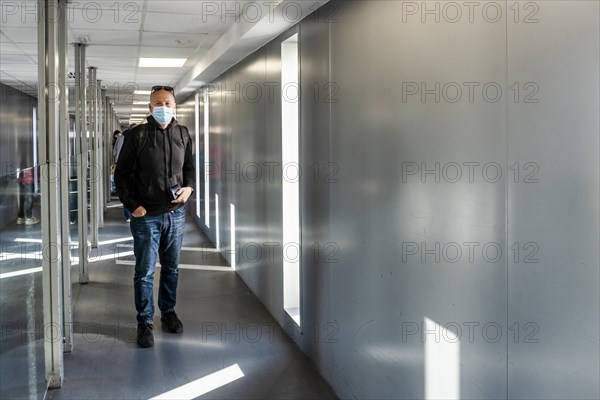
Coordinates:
[184,138]
[140,142]
[142,138]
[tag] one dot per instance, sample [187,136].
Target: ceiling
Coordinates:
[211,35]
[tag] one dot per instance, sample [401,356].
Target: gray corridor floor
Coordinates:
[225,327]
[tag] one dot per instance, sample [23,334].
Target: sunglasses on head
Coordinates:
[168,88]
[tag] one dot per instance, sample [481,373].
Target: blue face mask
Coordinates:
[162,115]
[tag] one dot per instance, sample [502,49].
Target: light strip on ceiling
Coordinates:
[162,62]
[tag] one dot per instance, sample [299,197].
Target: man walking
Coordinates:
[154,178]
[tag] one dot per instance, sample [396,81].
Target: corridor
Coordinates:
[384,199]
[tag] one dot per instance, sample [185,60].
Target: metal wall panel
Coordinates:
[247,189]
[225,122]
[186,116]
[553,203]
[218,126]
[318,250]
[381,214]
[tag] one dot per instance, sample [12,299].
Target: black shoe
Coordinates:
[173,323]
[144,335]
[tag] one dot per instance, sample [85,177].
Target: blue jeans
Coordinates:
[152,234]
[126,212]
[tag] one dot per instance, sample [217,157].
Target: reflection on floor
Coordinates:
[231,347]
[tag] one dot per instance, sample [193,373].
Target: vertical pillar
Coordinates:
[48,134]
[82,161]
[100,156]
[111,129]
[64,178]
[113,125]
[93,132]
[108,132]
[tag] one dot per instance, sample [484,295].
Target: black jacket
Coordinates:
[143,176]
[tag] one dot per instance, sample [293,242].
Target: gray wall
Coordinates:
[423,191]
[16,146]
[560,212]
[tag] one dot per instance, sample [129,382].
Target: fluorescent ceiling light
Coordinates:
[148,92]
[162,62]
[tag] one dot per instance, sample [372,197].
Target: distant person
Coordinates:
[119,143]
[116,151]
[154,176]
[116,135]
[26,179]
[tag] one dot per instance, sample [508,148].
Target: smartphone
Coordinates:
[173,191]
